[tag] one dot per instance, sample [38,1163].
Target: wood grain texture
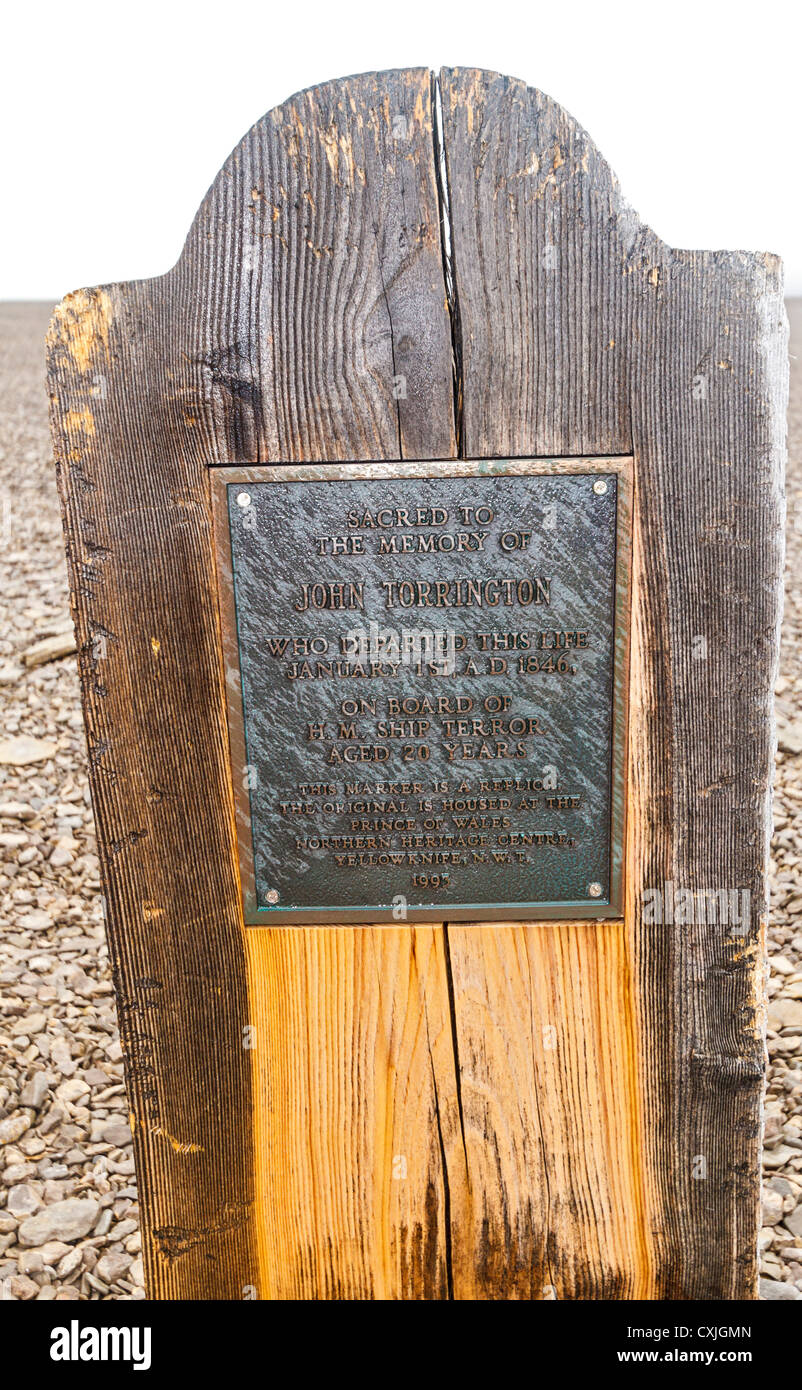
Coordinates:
[138,544]
[357,1112]
[464,1111]
[544,1028]
[581,331]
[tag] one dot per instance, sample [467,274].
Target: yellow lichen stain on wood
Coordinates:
[771,262]
[79,422]
[179,1146]
[755,961]
[328,139]
[339,154]
[81,323]
[531,167]
[319,251]
[347,153]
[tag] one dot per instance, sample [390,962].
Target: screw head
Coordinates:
[600,487]
[595,890]
[271,896]
[243,499]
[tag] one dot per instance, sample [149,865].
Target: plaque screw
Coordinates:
[595,890]
[600,486]
[243,499]
[271,896]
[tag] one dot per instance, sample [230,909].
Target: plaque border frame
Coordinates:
[221,476]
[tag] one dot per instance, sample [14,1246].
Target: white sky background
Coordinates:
[116,117]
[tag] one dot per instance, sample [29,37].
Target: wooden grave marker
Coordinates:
[543,1077]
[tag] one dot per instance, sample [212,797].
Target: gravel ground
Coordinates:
[781,1235]
[68,1205]
[69,1226]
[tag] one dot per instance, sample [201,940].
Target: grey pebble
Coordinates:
[22,1200]
[774,1291]
[67,1220]
[35,1091]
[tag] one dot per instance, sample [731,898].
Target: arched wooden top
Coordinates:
[317,273]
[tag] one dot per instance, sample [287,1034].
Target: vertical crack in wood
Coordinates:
[444,1165]
[547,1243]
[386,298]
[452,305]
[452,1011]
[447,248]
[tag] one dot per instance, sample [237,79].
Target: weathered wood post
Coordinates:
[438,966]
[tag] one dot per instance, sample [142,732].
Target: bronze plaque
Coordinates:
[426,669]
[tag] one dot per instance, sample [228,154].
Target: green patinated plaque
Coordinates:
[426,672]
